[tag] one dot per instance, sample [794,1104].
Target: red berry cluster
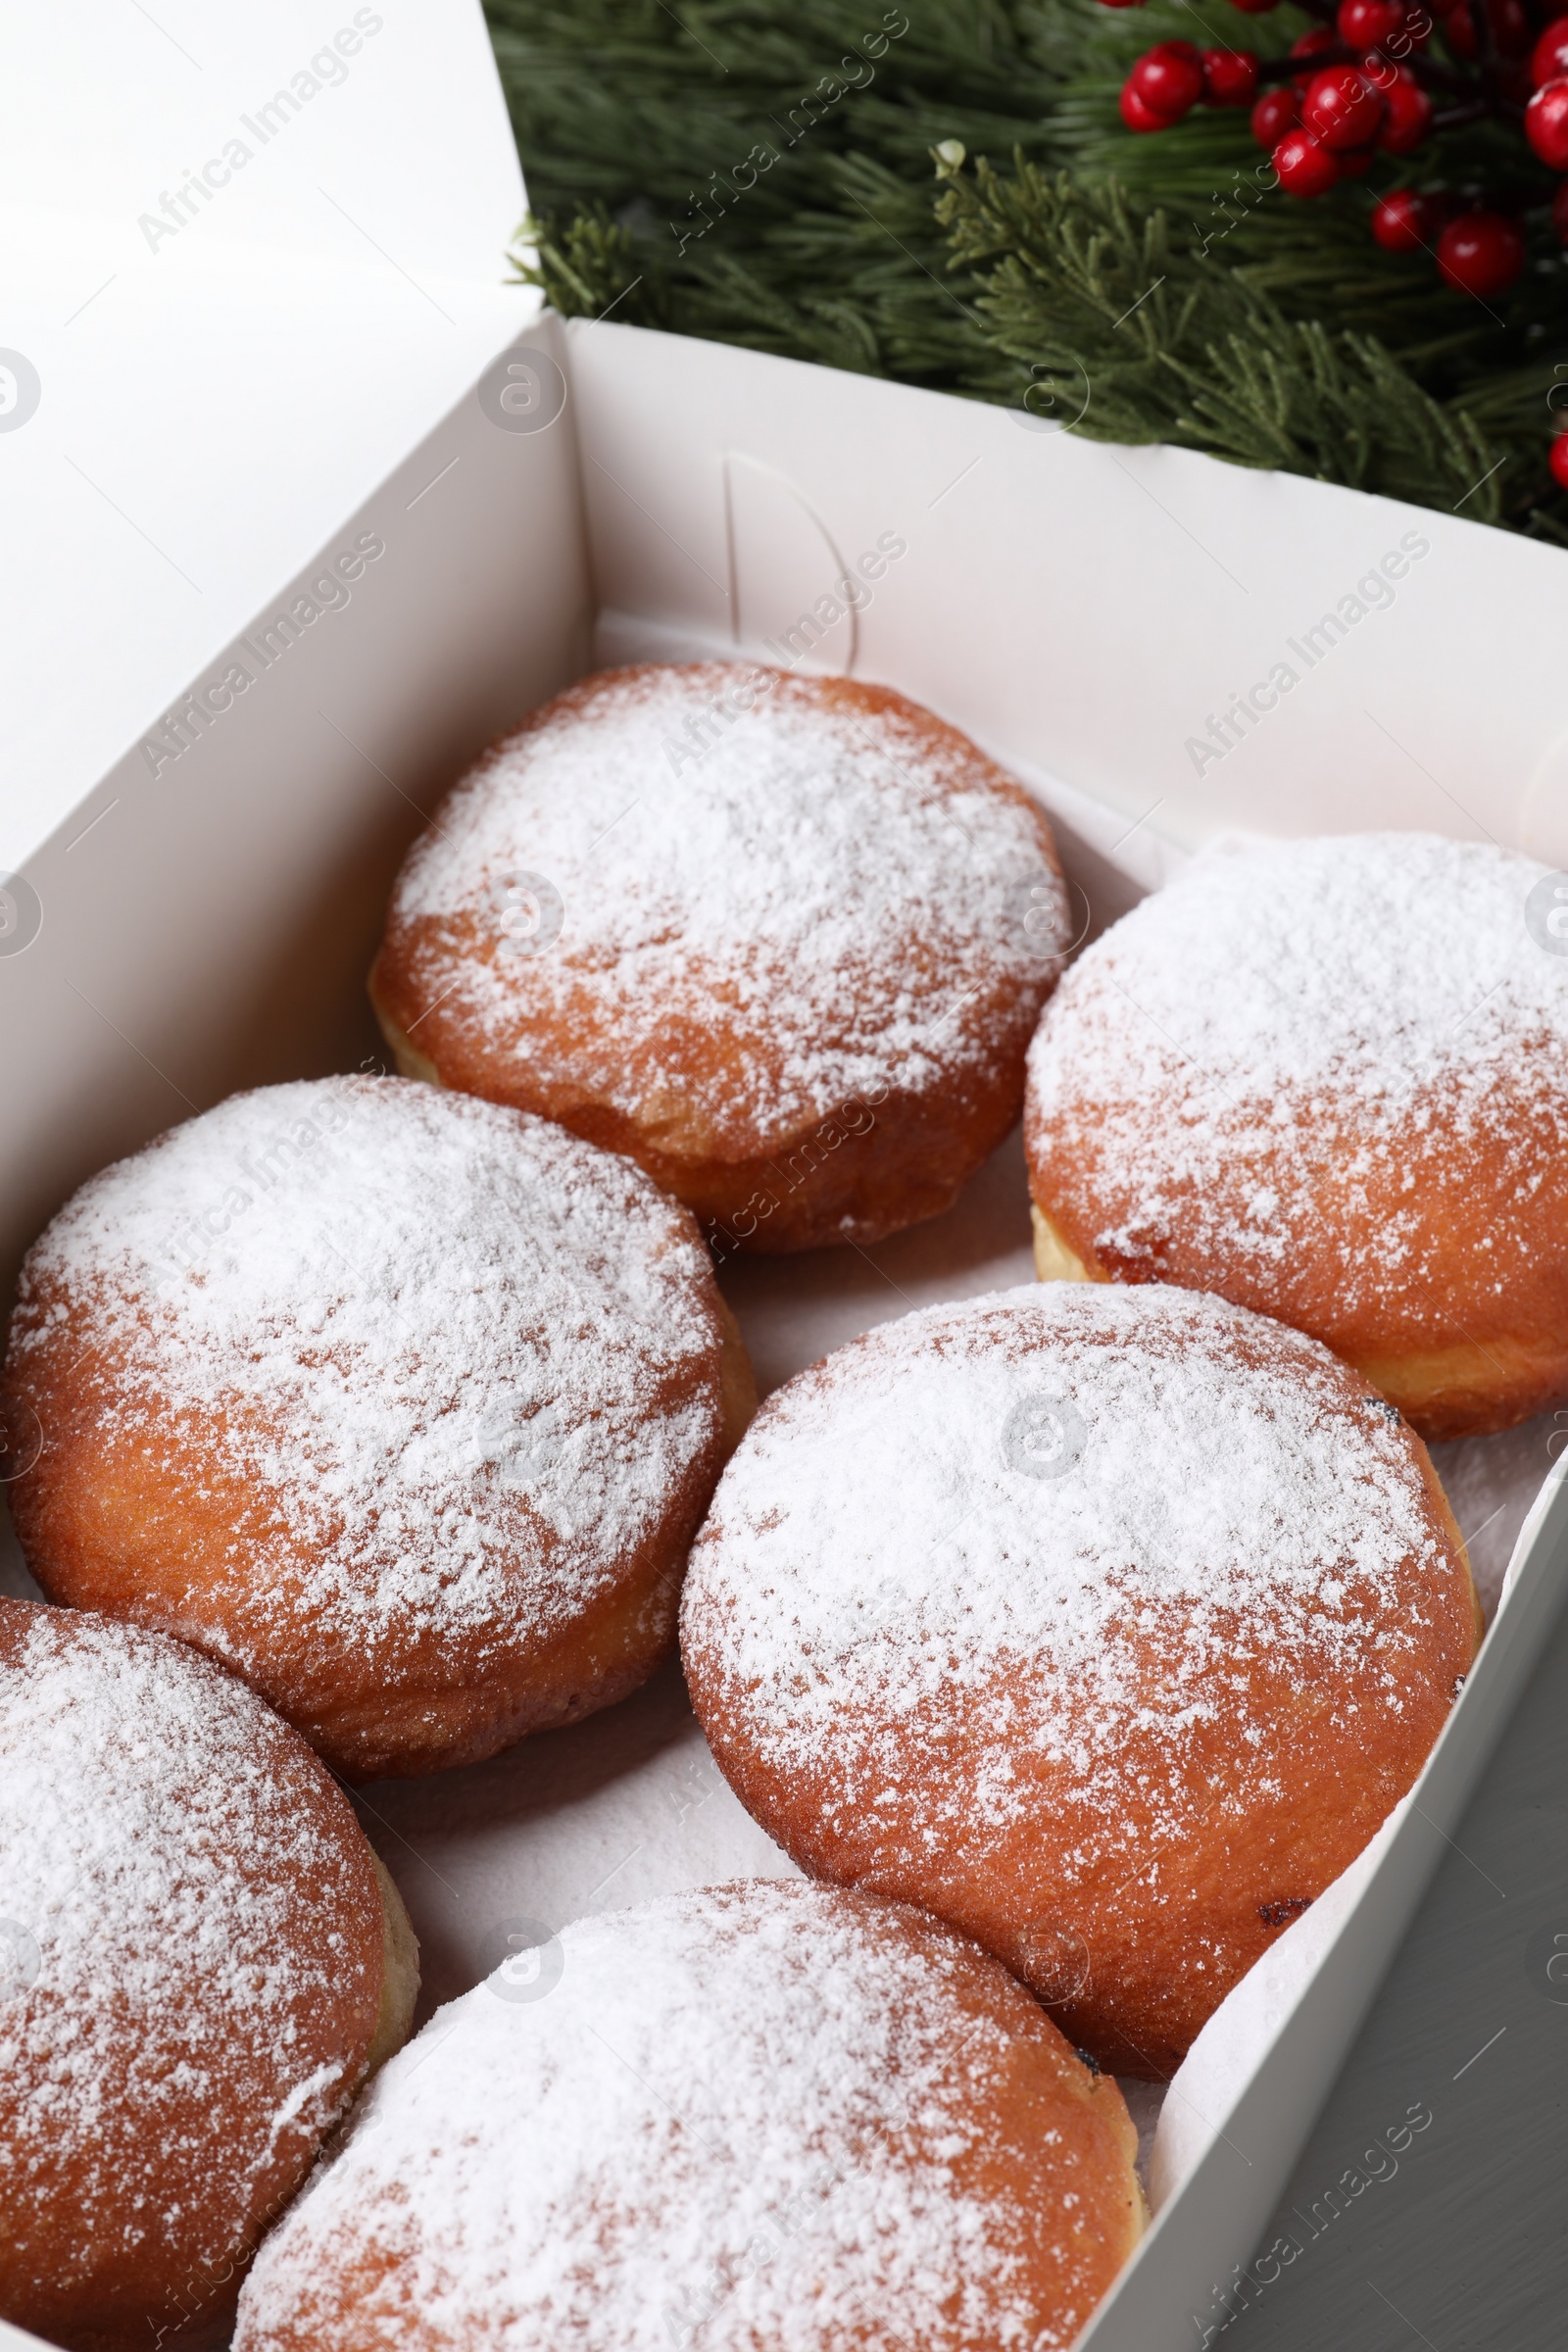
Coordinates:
[1359,84]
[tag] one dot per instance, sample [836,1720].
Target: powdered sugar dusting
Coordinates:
[990,1507]
[1373,1003]
[176,1927]
[443,1343]
[736,2120]
[827,888]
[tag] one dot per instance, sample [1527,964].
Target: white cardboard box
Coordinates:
[306,373]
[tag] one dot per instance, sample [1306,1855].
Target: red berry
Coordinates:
[1559,214]
[1255,8]
[1168,79]
[1549,57]
[1481,254]
[1230,77]
[1275,113]
[1441,8]
[1312,44]
[1460,30]
[1414,32]
[1366,23]
[1121,3]
[1404,221]
[1135,114]
[1558,461]
[1342,107]
[1304,165]
[1546,123]
[1406,117]
[1509,27]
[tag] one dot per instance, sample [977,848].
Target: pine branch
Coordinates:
[770,211]
[1142,339]
[718,168]
[587,269]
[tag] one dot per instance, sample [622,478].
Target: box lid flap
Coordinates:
[252,258]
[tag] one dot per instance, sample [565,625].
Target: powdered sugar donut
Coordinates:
[1329,1079]
[1107,1623]
[202,1957]
[765,2114]
[403,1405]
[782,940]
